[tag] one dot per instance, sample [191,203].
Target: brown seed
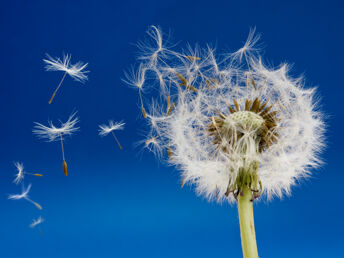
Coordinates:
[193,58]
[255,105]
[170,153]
[254,84]
[212,82]
[144,112]
[64,167]
[220,114]
[265,111]
[38,206]
[168,101]
[37,174]
[182,182]
[190,87]
[236,105]
[262,106]
[52,97]
[170,110]
[182,78]
[248,104]
[231,109]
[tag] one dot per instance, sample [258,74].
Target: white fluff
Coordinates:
[36,222]
[24,195]
[52,133]
[113,126]
[76,71]
[20,172]
[300,124]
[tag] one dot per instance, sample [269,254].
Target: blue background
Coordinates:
[124,203]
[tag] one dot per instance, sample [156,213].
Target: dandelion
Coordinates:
[106,129]
[24,195]
[137,79]
[76,71]
[52,133]
[238,131]
[20,173]
[36,222]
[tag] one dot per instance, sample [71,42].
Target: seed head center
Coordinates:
[246,119]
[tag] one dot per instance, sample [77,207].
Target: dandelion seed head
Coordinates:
[248,48]
[24,194]
[232,122]
[20,172]
[76,71]
[136,78]
[36,222]
[113,126]
[53,133]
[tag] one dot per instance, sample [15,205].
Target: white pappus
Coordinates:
[113,126]
[21,173]
[76,71]
[230,120]
[53,133]
[24,195]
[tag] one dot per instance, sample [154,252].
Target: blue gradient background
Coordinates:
[125,204]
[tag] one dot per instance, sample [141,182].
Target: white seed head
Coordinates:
[76,71]
[113,126]
[20,172]
[23,195]
[52,133]
[230,115]
[36,222]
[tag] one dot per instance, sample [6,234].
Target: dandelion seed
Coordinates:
[193,58]
[251,136]
[36,222]
[182,182]
[21,173]
[106,129]
[24,195]
[153,145]
[76,71]
[53,133]
[170,109]
[170,153]
[248,48]
[137,79]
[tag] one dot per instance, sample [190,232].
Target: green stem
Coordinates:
[248,235]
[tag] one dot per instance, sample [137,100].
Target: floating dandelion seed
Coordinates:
[76,71]
[36,222]
[137,80]
[24,195]
[238,130]
[106,129]
[20,173]
[52,133]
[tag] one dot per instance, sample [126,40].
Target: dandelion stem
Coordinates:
[52,97]
[114,136]
[63,156]
[248,235]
